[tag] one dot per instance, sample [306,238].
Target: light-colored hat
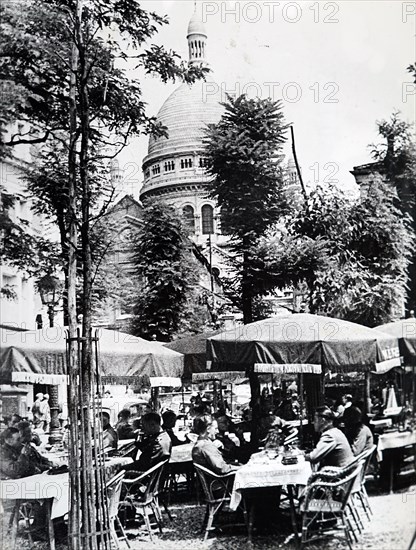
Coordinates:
[39,395]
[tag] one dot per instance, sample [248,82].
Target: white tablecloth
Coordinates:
[394,440]
[39,487]
[43,486]
[262,471]
[181,453]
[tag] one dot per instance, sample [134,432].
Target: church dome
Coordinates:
[186,114]
[196,26]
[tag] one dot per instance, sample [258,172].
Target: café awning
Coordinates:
[295,342]
[405,331]
[39,356]
[194,348]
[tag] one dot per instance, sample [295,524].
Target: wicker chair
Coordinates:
[140,493]
[113,488]
[217,492]
[360,494]
[325,510]
[331,474]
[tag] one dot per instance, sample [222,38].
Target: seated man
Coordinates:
[123,427]
[272,423]
[155,447]
[205,452]
[19,460]
[169,421]
[110,437]
[26,433]
[332,448]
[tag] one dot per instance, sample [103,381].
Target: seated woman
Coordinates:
[358,434]
[205,452]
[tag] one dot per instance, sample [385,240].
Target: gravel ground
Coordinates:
[391,528]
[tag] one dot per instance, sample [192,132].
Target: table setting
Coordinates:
[270,468]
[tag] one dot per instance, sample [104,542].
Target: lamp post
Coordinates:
[50,289]
[50,293]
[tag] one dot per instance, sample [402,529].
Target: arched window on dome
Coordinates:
[207,213]
[186,163]
[188,217]
[169,166]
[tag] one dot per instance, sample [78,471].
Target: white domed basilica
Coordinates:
[174,168]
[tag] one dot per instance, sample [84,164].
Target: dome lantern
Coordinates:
[197,38]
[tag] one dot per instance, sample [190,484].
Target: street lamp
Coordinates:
[50,289]
[50,293]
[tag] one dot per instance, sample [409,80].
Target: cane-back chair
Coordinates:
[140,494]
[326,507]
[217,492]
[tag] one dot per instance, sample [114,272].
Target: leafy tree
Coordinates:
[63,54]
[398,156]
[21,248]
[36,42]
[164,261]
[352,256]
[243,154]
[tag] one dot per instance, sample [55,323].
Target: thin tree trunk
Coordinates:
[96,519]
[246,293]
[74,539]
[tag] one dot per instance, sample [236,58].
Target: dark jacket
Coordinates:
[125,431]
[173,437]
[154,449]
[110,437]
[21,462]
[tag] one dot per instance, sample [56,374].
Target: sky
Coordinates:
[337,67]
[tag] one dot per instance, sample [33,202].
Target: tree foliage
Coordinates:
[20,247]
[352,256]
[397,153]
[36,42]
[165,264]
[244,153]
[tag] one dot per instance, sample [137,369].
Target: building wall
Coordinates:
[22,310]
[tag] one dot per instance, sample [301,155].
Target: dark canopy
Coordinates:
[39,356]
[302,342]
[194,348]
[405,331]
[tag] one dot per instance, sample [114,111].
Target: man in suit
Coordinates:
[155,447]
[332,448]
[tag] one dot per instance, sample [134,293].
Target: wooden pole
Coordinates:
[295,158]
[367,392]
[301,407]
[255,407]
